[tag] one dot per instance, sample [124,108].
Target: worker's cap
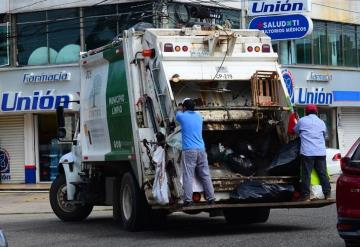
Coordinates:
[186,99]
[311,108]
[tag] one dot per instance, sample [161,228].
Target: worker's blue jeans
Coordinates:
[195,161]
[307,165]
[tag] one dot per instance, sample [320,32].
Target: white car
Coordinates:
[333,157]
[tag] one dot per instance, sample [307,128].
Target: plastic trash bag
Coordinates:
[287,161]
[245,148]
[240,164]
[255,191]
[160,189]
[316,192]
[174,140]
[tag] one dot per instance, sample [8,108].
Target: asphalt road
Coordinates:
[303,228]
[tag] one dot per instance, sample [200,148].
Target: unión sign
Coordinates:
[283,26]
[276,7]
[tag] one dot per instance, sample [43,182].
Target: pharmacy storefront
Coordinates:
[337,95]
[29,150]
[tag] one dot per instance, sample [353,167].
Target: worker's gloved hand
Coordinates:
[179,107]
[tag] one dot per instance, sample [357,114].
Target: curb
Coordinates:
[24,191]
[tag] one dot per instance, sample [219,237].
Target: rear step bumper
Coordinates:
[205,207]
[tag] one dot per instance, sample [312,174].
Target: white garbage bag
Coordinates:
[160,189]
[316,192]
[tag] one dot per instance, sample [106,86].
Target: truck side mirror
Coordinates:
[60,116]
[61,133]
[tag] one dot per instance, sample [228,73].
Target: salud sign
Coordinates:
[281,27]
[276,7]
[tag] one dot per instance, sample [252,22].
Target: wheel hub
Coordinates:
[127,202]
[62,200]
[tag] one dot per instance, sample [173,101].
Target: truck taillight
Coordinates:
[168,47]
[177,48]
[257,48]
[185,48]
[250,48]
[266,48]
[148,53]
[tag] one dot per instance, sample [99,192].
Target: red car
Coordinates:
[348,197]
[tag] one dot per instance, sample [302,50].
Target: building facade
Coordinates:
[323,68]
[40,43]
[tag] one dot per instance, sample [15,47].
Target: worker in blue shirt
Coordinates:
[311,130]
[194,156]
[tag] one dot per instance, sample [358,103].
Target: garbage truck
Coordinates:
[130,92]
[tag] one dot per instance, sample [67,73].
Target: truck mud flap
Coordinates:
[295,204]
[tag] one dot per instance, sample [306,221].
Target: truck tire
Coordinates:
[60,205]
[134,209]
[242,216]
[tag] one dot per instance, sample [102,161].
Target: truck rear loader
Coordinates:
[130,91]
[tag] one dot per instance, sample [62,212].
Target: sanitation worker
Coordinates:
[194,158]
[311,130]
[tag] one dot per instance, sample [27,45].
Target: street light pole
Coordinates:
[164,18]
[243,13]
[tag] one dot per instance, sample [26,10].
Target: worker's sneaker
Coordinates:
[211,202]
[304,199]
[327,196]
[187,204]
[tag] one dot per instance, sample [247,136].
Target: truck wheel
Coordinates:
[61,206]
[241,216]
[134,209]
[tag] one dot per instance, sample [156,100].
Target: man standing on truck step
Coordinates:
[313,151]
[194,158]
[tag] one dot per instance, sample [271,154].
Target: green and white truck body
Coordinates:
[130,90]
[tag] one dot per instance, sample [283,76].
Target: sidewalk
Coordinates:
[40,187]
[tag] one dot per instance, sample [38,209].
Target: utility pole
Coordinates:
[243,14]
[163,14]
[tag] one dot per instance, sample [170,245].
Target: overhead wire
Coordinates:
[151,2]
[83,20]
[29,5]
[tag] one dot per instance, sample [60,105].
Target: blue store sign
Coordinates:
[283,26]
[276,7]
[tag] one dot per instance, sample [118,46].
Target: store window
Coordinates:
[358,44]
[50,148]
[330,43]
[320,44]
[103,23]
[48,37]
[303,51]
[287,52]
[349,40]
[64,34]
[4,44]
[100,25]
[335,44]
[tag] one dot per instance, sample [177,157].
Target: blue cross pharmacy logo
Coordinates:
[289,82]
[4,161]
